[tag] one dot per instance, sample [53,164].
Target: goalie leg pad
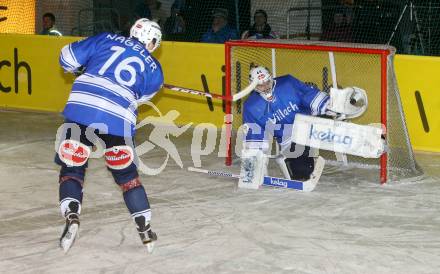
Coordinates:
[300,168]
[306,186]
[253,168]
[296,167]
[311,183]
[281,161]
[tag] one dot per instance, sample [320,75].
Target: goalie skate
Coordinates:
[70,231]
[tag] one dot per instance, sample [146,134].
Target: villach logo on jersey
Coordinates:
[283,113]
[329,136]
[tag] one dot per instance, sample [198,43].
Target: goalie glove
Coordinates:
[347,103]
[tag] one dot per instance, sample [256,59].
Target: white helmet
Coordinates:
[147,32]
[264,80]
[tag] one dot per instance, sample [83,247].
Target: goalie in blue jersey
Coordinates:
[271,110]
[116,74]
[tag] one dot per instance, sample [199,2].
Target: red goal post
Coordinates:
[367,66]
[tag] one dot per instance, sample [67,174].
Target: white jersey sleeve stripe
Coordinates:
[66,66]
[323,106]
[316,102]
[73,55]
[68,58]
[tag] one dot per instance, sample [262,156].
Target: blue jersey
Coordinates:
[119,73]
[290,96]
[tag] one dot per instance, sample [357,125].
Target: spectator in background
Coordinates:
[157,14]
[49,25]
[175,27]
[220,31]
[142,10]
[260,29]
[339,23]
[179,4]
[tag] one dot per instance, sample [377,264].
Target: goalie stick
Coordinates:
[305,186]
[234,98]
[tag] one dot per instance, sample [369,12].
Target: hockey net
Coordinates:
[367,66]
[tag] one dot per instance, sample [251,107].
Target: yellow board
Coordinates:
[30,76]
[418,74]
[185,65]
[17,16]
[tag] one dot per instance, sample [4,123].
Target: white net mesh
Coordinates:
[367,66]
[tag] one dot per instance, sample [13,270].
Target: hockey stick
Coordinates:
[245,91]
[196,92]
[234,98]
[305,186]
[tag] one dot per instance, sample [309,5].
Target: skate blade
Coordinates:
[68,240]
[150,247]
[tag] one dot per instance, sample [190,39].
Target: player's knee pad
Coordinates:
[119,157]
[73,153]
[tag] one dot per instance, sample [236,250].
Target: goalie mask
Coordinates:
[265,82]
[147,32]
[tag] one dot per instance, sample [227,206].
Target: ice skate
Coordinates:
[148,237]
[71,228]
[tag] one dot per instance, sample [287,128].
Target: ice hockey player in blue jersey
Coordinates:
[271,110]
[117,73]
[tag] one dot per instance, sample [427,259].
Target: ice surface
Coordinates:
[348,224]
